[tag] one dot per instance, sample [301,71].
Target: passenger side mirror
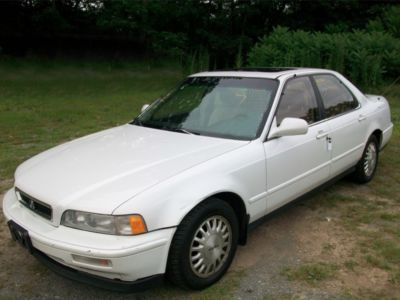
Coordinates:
[289,126]
[144,107]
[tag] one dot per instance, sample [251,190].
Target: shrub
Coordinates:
[196,61]
[365,57]
[388,21]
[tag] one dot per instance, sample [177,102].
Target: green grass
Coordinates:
[44,103]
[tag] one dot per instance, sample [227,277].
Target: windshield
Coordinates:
[228,107]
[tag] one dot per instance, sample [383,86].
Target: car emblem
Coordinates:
[32,205]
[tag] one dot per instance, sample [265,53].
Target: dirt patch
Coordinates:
[322,237]
[274,238]
[363,278]
[327,241]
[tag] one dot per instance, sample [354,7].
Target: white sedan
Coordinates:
[174,191]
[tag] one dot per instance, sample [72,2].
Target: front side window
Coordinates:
[298,101]
[336,98]
[230,107]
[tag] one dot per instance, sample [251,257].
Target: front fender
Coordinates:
[241,172]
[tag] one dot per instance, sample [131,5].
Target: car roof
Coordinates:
[271,73]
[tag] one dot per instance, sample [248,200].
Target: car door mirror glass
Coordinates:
[288,127]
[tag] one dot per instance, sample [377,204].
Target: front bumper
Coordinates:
[97,281]
[133,259]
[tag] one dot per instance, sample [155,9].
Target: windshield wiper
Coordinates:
[136,121]
[183,130]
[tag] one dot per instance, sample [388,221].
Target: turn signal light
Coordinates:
[137,224]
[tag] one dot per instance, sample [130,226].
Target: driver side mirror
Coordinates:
[144,107]
[288,127]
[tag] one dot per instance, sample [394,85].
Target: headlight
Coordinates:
[107,224]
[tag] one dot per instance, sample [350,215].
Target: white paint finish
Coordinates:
[98,173]
[258,197]
[241,172]
[261,74]
[162,175]
[296,164]
[387,133]
[289,127]
[348,139]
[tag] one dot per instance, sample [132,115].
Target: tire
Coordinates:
[366,167]
[185,267]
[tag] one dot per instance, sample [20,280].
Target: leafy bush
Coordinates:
[365,57]
[168,44]
[196,61]
[388,21]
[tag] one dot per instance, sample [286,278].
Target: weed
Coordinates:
[390,217]
[328,248]
[312,273]
[389,250]
[350,264]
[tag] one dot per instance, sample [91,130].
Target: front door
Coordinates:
[297,164]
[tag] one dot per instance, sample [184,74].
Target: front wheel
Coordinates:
[203,245]
[366,167]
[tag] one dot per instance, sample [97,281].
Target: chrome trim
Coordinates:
[31,205]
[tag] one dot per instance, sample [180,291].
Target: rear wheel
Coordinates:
[204,245]
[366,167]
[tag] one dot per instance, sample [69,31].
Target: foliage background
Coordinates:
[211,34]
[366,57]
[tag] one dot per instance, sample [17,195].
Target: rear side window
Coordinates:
[336,98]
[298,101]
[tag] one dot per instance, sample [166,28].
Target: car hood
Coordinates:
[99,172]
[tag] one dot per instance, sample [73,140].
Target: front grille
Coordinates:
[42,209]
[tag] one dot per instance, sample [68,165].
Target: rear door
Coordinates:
[347,124]
[297,164]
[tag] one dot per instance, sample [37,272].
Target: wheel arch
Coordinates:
[237,203]
[176,266]
[378,134]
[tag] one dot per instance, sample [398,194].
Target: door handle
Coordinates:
[361,118]
[321,134]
